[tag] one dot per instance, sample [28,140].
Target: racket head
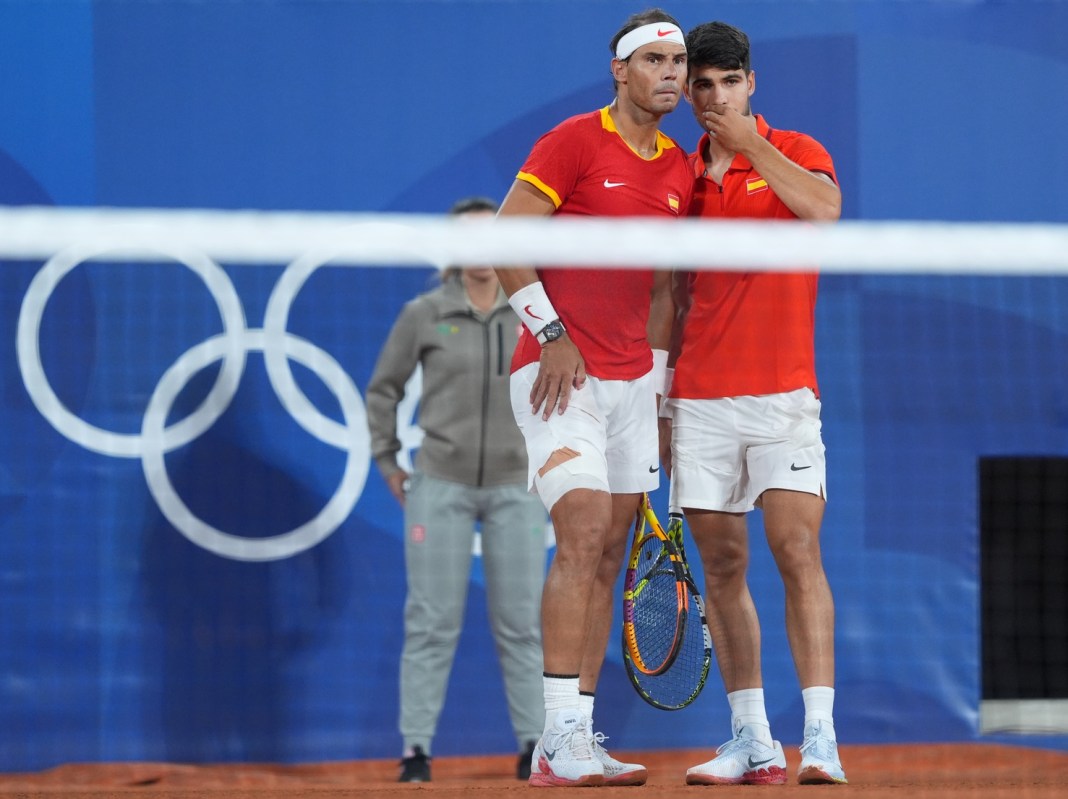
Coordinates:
[655,597]
[682,682]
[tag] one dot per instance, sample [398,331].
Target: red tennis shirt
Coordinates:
[749,333]
[587,169]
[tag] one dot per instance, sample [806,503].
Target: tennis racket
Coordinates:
[655,599]
[682,682]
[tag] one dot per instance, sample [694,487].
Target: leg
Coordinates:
[613,555]
[792,522]
[624,508]
[563,755]
[439,529]
[630,457]
[751,757]
[566,460]
[566,454]
[710,482]
[723,542]
[580,519]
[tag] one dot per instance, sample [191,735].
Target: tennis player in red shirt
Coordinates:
[745,411]
[588,372]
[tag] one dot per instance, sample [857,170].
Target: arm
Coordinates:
[522,200]
[561,367]
[661,310]
[396,362]
[660,333]
[680,283]
[812,196]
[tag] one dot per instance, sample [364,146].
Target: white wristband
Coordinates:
[660,371]
[665,410]
[532,306]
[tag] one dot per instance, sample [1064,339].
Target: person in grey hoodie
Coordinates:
[470,471]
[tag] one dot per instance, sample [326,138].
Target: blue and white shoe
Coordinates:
[742,761]
[820,764]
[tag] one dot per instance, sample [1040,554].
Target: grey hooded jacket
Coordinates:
[471,436]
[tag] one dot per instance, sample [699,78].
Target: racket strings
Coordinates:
[679,684]
[655,609]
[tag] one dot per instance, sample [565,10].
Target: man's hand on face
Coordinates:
[731,129]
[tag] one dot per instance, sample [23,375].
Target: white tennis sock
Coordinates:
[747,710]
[819,706]
[560,691]
[586,704]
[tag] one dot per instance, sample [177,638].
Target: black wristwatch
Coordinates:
[551,332]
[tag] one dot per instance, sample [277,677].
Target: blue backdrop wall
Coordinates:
[125,635]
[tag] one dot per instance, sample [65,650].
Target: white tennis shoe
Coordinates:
[742,761]
[819,757]
[564,757]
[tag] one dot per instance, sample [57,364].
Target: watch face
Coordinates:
[552,331]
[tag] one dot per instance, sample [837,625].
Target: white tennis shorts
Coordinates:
[613,422]
[727,452]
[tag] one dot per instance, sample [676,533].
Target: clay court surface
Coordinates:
[904,772]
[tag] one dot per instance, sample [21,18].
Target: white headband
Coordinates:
[647,34]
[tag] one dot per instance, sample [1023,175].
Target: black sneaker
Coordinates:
[416,767]
[522,769]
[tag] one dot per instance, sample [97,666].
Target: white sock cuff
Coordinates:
[819,704]
[586,704]
[748,702]
[747,710]
[560,693]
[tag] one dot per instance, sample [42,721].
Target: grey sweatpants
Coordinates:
[439,520]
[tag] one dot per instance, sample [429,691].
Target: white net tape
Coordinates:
[351,239]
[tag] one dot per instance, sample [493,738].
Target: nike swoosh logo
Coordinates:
[529,312]
[654,469]
[794,468]
[755,763]
[664,33]
[609,185]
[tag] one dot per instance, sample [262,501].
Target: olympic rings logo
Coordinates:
[156,438]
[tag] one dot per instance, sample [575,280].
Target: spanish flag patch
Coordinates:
[673,203]
[755,185]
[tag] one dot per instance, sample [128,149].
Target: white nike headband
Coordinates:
[647,34]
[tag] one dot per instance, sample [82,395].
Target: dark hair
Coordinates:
[718,45]
[471,204]
[647,17]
